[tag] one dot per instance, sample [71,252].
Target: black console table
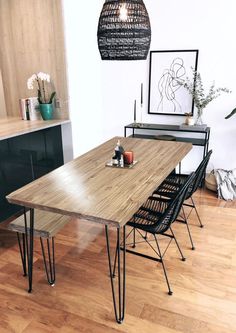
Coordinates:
[153,130]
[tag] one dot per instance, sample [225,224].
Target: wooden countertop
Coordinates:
[86,188]
[13,126]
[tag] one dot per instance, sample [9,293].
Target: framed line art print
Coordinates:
[167,69]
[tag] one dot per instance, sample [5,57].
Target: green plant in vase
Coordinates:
[201,98]
[45,98]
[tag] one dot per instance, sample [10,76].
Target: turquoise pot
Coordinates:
[46,111]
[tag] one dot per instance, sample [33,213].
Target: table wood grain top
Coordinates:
[86,188]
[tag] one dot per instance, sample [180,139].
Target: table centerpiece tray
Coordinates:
[121,165]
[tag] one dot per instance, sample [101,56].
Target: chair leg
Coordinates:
[177,244]
[134,239]
[189,233]
[163,266]
[158,254]
[50,266]
[116,252]
[22,248]
[194,206]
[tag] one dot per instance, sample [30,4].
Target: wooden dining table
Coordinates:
[86,188]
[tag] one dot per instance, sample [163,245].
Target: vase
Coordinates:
[199,120]
[46,111]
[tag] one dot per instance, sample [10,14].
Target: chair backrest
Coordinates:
[173,207]
[199,174]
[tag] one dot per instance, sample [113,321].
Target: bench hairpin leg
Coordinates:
[50,267]
[120,309]
[22,248]
[30,247]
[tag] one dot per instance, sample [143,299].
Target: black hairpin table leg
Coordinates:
[119,307]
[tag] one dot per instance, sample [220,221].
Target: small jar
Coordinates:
[189,121]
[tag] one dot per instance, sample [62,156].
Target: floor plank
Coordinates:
[204,286]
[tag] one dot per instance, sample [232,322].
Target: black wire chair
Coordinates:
[173,182]
[155,217]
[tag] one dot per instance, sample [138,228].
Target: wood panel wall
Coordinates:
[2,99]
[32,40]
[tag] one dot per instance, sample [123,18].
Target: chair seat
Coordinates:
[46,224]
[144,220]
[150,216]
[170,186]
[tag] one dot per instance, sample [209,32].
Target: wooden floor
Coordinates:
[204,286]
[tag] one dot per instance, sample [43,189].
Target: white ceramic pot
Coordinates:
[189,121]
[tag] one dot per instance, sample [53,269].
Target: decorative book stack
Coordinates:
[29,109]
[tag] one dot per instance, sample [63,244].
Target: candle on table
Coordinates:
[128,157]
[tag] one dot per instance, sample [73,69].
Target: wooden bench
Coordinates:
[46,225]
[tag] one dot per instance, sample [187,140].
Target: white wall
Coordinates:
[84,74]
[102,92]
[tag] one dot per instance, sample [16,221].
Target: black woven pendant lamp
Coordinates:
[124,31]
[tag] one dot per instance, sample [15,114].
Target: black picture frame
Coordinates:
[166,96]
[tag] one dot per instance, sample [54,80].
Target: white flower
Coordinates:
[30,82]
[43,95]
[43,76]
[48,78]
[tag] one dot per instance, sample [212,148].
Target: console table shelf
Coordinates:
[195,142]
[191,132]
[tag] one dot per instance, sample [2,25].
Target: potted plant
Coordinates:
[200,97]
[45,99]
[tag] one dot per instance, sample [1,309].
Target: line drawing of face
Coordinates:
[168,84]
